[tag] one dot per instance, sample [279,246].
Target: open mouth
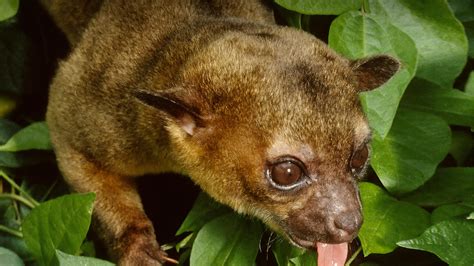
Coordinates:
[328,254]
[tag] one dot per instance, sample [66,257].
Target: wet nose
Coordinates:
[345,226]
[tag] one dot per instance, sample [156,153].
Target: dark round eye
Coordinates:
[359,158]
[285,173]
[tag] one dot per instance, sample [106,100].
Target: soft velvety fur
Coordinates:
[214,90]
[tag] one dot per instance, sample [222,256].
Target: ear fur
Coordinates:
[177,109]
[374,71]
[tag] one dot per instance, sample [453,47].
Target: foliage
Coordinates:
[422,147]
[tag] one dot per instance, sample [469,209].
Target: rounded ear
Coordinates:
[171,104]
[374,71]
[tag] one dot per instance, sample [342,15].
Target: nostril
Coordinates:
[348,222]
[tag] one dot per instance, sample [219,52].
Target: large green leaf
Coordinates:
[387,220]
[8,257]
[455,106]
[32,137]
[71,260]
[320,7]
[450,240]
[438,35]
[61,223]
[357,35]
[449,211]
[410,153]
[227,240]
[8,8]
[204,210]
[448,185]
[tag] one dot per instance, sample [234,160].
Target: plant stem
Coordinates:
[13,184]
[365,6]
[11,231]
[45,196]
[15,207]
[17,198]
[352,258]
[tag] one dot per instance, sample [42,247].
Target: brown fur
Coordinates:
[214,90]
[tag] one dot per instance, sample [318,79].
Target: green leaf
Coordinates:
[284,251]
[88,249]
[387,220]
[308,258]
[227,240]
[450,240]
[461,146]
[357,35]
[8,9]
[448,185]
[454,106]
[204,210]
[438,35]
[469,28]
[8,217]
[61,223]
[8,129]
[463,9]
[70,260]
[320,7]
[449,211]
[32,137]
[410,153]
[8,257]
[469,89]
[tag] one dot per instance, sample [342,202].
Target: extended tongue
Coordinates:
[331,254]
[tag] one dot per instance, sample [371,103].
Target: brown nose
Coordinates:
[344,226]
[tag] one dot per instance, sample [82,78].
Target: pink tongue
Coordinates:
[331,254]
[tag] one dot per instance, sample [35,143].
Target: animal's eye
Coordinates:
[285,173]
[359,159]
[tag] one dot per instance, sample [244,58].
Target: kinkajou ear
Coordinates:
[374,71]
[171,104]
